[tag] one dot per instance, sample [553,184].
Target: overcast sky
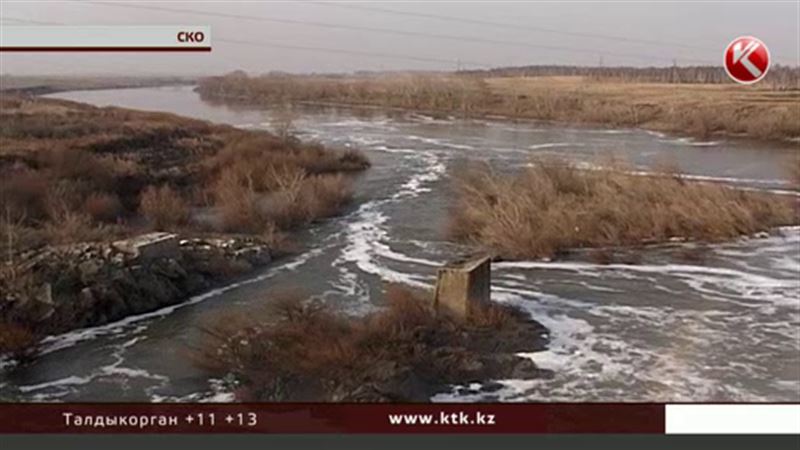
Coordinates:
[521,33]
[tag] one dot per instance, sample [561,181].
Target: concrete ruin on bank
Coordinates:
[463,285]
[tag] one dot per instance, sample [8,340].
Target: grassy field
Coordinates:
[697,109]
[701,110]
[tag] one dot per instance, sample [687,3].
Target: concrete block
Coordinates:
[462,285]
[151,246]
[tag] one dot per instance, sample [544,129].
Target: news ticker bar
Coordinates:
[100,38]
[292,418]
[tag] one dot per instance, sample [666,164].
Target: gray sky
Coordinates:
[522,33]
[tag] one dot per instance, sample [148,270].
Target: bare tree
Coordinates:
[13,226]
[282,121]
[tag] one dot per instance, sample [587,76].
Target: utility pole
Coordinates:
[674,70]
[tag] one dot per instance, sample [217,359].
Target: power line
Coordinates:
[505,25]
[350,52]
[310,48]
[458,38]
[33,22]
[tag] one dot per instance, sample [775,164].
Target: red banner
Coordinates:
[332,418]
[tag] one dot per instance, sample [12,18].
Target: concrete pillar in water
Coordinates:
[463,285]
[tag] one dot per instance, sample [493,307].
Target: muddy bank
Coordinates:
[56,289]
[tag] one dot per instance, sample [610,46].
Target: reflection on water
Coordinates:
[724,329]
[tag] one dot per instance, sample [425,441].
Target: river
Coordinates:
[725,328]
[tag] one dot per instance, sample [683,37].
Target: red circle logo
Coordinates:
[746,60]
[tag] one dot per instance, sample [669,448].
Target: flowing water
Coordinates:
[725,328]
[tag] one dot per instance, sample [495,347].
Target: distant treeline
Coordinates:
[778,77]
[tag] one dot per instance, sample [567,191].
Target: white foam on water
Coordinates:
[771,191]
[597,363]
[601,351]
[611,131]
[439,142]
[720,179]
[66,381]
[429,119]
[365,141]
[115,371]
[723,284]
[586,165]
[555,145]
[58,342]
[686,141]
[403,151]
[704,143]
[366,238]
[358,123]
[217,393]
[417,184]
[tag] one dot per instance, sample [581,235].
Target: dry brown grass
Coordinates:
[77,164]
[304,200]
[552,206]
[103,207]
[415,91]
[18,341]
[163,207]
[67,227]
[23,194]
[75,172]
[304,351]
[312,198]
[259,156]
[697,109]
[262,184]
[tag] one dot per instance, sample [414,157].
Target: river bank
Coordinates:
[43,85]
[84,185]
[699,110]
[60,288]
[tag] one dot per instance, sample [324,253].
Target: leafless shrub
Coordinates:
[313,198]
[24,194]
[103,207]
[282,121]
[76,163]
[163,207]
[18,341]
[68,226]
